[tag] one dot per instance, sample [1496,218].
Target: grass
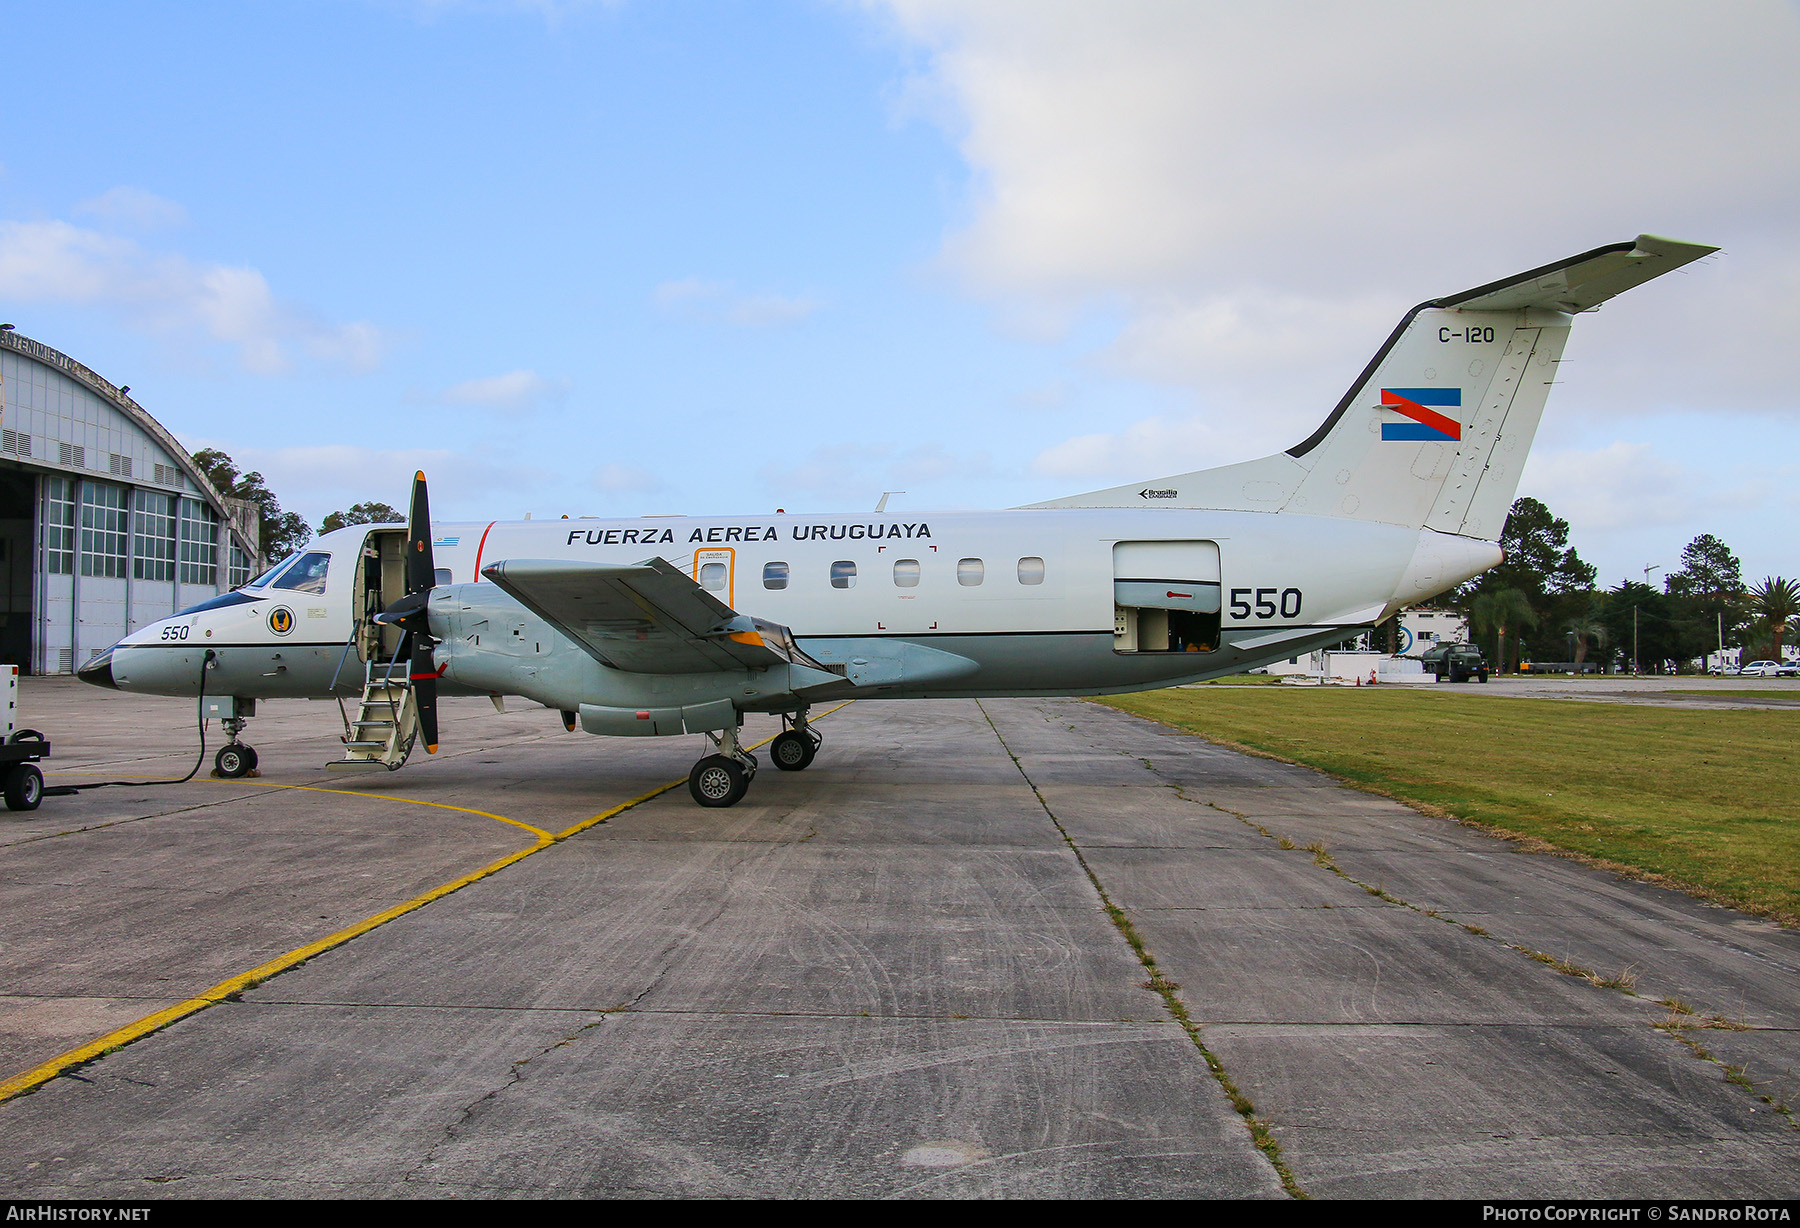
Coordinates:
[1786,695]
[1703,800]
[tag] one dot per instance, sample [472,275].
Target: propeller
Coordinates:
[409,613]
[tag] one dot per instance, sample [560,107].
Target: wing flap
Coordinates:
[647,617]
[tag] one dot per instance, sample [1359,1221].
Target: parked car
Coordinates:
[1770,669]
[1724,671]
[1458,662]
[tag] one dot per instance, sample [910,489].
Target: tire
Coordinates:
[24,787]
[718,781]
[1483,676]
[233,761]
[792,751]
[254,757]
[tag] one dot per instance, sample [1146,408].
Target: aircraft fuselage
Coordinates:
[1029,596]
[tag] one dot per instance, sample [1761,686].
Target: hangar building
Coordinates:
[106,524]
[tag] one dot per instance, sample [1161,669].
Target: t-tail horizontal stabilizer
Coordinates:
[1434,433]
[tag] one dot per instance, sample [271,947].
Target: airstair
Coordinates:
[387,721]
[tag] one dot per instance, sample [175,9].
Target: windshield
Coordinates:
[307,575]
[270,574]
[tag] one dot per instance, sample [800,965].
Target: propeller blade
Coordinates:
[410,612]
[421,570]
[402,612]
[424,678]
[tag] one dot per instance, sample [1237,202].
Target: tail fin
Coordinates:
[1435,431]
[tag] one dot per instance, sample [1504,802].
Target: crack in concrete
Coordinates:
[1264,1140]
[1622,982]
[514,1076]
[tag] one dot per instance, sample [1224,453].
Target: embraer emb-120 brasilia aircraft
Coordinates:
[669,625]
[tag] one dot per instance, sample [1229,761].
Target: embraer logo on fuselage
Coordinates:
[1426,424]
[1158,494]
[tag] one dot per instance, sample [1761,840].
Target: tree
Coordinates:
[1708,591]
[1709,571]
[362,513]
[1539,560]
[1637,617]
[280,533]
[1776,601]
[1586,629]
[1495,610]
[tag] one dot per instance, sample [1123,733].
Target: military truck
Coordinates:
[1456,662]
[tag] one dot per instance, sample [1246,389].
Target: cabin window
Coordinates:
[843,574]
[712,577]
[970,572]
[1031,570]
[307,575]
[441,575]
[906,573]
[775,575]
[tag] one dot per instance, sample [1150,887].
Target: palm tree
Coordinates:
[1495,611]
[1586,629]
[1776,601]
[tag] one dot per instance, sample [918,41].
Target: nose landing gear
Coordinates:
[235,758]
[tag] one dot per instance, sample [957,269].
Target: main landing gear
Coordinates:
[724,778]
[794,748]
[235,758]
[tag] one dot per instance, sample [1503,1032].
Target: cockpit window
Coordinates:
[307,575]
[270,574]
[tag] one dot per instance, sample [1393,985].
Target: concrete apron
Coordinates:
[892,974]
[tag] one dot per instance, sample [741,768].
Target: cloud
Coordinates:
[55,262]
[516,392]
[719,302]
[1150,447]
[320,478]
[133,208]
[1248,187]
[625,479]
[847,474]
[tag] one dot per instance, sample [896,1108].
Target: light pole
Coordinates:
[1634,619]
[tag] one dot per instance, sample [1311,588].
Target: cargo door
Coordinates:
[1166,596]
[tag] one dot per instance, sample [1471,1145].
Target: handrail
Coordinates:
[343,656]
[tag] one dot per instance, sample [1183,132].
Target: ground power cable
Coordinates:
[200,724]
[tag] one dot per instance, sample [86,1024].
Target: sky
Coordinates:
[637,256]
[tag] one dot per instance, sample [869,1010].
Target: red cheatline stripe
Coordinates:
[476,578]
[1418,413]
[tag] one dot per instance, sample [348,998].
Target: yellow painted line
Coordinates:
[120,1037]
[540,833]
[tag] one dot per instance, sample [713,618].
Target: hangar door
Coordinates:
[1165,596]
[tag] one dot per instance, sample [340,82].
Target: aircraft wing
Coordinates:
[647,617]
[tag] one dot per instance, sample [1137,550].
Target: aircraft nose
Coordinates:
[99,671]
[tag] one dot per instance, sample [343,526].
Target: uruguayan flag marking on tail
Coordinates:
[1426,424]
[444,541]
